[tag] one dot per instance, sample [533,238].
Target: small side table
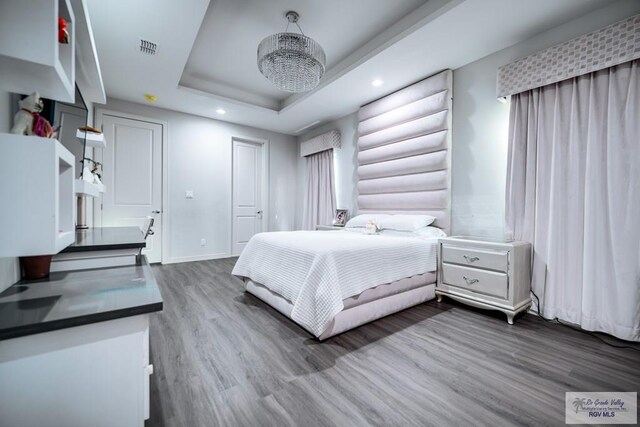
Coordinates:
[494,275]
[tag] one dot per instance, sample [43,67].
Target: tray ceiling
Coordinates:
[206,50]
[223,58]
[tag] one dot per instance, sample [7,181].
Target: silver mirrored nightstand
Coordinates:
[484,273]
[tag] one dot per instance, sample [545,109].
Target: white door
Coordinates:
[132,174]
[247,193]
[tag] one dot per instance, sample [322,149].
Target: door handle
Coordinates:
[259,212]
[155,212]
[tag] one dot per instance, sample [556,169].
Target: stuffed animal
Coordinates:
[28,120]
[372,227]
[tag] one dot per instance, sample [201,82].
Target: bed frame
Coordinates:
[404,166]
[355,315]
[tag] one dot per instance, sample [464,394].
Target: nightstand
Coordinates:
[494,275]
[328,228]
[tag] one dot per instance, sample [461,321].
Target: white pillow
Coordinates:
[363,220]
[406,222]
[426,232]
[430,232]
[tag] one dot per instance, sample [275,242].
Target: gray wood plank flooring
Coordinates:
[223,357]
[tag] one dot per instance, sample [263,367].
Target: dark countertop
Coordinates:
[106,238]
[74,298]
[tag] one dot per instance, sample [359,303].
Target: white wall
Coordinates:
[199,159]
[479,134]
[345,163]
[9,271]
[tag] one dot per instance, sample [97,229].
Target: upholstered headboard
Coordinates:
[404,142]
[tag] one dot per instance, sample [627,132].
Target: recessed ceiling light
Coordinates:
[150,98]
[221,111]
[376,83]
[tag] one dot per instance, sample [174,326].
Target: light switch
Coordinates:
[189,194]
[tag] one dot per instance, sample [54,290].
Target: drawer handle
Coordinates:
[471,258]
[470,281]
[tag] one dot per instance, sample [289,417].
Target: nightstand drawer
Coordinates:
[482,281]
[478,258]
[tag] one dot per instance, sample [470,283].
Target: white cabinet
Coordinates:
[89,375]
[87,188]
[31,58]
[485,274]
[37,193]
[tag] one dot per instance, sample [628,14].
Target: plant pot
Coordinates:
[35,267]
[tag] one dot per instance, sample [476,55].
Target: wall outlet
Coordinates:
[188,194]
[203,242]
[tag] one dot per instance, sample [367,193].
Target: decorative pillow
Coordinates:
[363,220]
[406,222]
[426,232]
[430,232]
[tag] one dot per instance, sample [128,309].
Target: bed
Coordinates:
[332,281]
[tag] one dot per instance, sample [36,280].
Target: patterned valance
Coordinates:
[604,48]
[323,142]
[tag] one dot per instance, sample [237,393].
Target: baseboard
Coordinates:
[196,258]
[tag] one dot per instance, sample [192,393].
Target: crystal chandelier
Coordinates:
[292,62]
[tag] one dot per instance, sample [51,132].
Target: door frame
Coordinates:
[164,203]
[264,142]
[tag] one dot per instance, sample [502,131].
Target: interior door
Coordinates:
[247,193]
[132,174]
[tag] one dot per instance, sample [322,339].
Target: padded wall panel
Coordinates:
[409,147]
[423,107]
[422,89]
[398,184]
[409,200]
[404,151]
[415,164]
[422,126]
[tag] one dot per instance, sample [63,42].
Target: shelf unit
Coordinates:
[31,59]
[37,189]
[88,75]
[89,189]
[95,140]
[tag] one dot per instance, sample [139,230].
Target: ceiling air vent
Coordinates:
[148,47]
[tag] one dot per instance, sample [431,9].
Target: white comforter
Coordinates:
[317,270]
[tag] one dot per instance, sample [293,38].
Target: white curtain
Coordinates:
[573,191]
[319,197]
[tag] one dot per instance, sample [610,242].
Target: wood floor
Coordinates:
[222,357]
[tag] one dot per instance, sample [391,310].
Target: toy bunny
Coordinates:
[28,120]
